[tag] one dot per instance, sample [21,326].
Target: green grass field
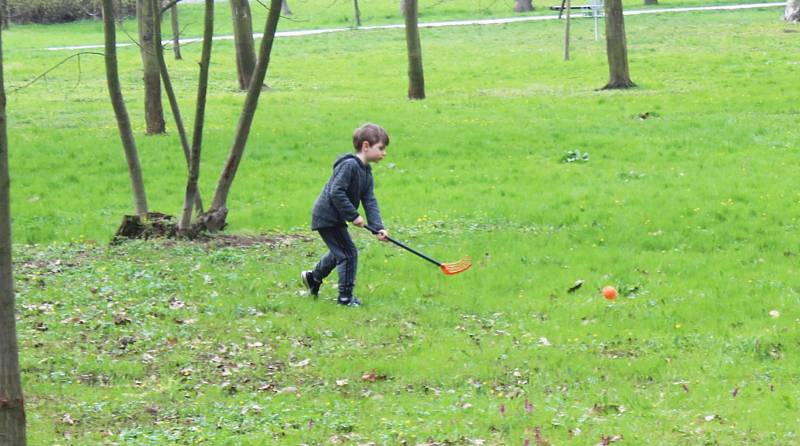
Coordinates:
[690,213]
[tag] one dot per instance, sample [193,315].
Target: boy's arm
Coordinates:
[371,208]
[339,184]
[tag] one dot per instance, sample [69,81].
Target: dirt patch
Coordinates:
[247,241]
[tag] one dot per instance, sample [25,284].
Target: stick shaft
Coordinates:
[407,248]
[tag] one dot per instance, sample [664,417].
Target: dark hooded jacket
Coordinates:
[350,184]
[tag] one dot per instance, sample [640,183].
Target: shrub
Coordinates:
[60,11]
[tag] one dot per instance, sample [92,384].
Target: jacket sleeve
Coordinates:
[371,207]
[342,177]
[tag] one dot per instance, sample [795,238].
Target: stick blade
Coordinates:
[456,267]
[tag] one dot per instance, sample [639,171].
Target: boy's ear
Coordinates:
[364,146]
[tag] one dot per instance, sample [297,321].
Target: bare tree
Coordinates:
[792,11]
[416,79]
[12,403]
[173,100]
[184,225]
[214,219]
[176,32]
[153,110]
[243,41]
[616,47]
[523,5]
[117,101]
[358,12]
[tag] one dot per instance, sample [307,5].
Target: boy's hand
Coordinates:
[382,235]
[359,222]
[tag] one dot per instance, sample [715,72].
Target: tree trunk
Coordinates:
[214,219]
[117,101]
[523,5]
[185,223]
[6,11]
[285,8]
[12,403]
[153,110]
[173,102]
[243,40]
[358,12]
[616,47]
[176,32]
[566,29]
[650,2]
[792,12]
[416,79]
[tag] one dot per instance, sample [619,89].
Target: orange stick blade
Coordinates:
[456,267]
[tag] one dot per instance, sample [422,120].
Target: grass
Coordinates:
[307,14]
[689,213]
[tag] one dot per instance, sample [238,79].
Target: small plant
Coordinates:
[575,156]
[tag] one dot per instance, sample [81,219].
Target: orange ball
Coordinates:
[610,293]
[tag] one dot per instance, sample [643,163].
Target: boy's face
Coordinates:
[373,153]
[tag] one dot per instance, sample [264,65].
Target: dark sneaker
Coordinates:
[349,301]
[311,285]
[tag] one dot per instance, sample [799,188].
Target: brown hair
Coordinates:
[372,133]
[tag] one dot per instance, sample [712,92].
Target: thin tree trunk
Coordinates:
[214,219]
[199,119]
[243,41]
[12,403]
[173,103]
[650,2]
[416,79]
[176,32]
[523,5]
[117,101]
[6,11]
[792,11]
[566,31]
[358,13]
[153,110]
[616,47]
[285,8]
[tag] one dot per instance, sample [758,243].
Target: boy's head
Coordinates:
[370,141]
[371,134]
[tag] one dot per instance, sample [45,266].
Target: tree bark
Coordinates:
[616,47]
[185,223]
[243,41]
[176,32]
[792,11]
[6,11]
[566,29]
[173,102]
[121,113]
[153,110]
[523,5]
[12,403]
[416,78]
[285,8]
[357,12]
[214,219]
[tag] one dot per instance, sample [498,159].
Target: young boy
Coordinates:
[350,184]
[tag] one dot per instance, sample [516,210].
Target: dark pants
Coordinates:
[343,256]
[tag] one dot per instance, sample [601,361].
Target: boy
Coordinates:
[350,184]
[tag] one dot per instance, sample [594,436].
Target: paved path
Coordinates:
[311,32]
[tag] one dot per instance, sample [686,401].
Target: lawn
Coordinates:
[687,204]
